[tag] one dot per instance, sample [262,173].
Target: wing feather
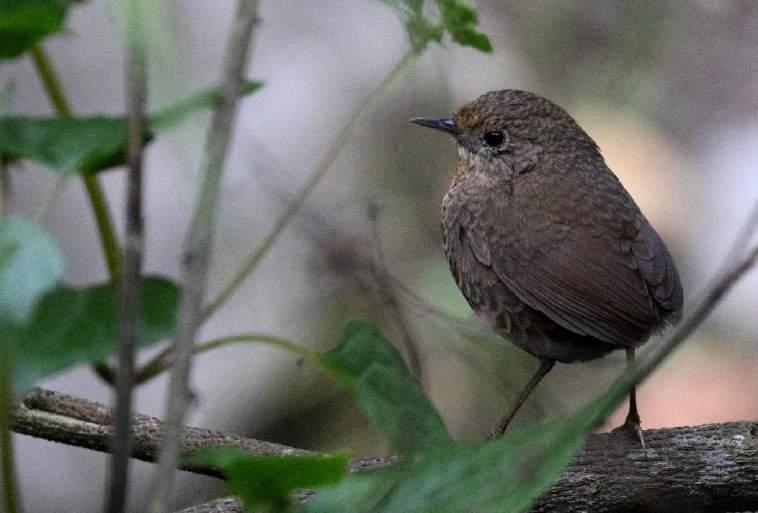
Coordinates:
[591,285]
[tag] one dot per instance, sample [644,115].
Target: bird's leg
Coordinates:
[545,366]
[632,422]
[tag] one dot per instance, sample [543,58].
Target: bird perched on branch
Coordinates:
[544,241]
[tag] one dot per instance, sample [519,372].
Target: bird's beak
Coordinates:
[445,124]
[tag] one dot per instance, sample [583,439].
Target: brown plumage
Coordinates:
[544,241]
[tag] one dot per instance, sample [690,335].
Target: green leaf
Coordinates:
[72,326]
[90,144]
[386,392]
[421,30]
[457,18]
[460,20]
[504,475]
[178,112]
[67,145]
[491,477]
[269,482]
[30,265]
[25,22]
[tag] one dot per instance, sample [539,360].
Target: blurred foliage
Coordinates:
[171,116]
[25,22]
[65,145]
[461,20]
[72,326]
[457,18]
[267,483]
[30,265]
[496,476]
[390,397]
[90,144]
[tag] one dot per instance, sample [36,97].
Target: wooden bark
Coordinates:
[710,468]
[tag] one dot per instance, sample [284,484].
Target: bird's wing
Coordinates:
[616,289]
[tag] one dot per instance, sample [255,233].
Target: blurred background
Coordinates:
[669,90]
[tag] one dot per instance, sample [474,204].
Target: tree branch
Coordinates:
[198,249]
[711,467]
[130,286]
[73,421]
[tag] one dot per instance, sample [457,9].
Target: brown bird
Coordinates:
[544,241]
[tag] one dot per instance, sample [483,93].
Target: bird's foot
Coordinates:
[633,428]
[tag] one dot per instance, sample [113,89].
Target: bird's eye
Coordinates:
[494,138]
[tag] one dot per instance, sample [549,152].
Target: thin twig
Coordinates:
[50,81]
[162,363]
[104,221]
[198,250]
[131,280]
[297,203]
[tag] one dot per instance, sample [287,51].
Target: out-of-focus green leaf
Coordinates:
[178,112]
[504,475]
[90,144]
[269,482]
[457,18]
[492,477]
[30,265]
[386,392]
[24,22]
[460,20]
[66,145]
[72,326]
[421,30]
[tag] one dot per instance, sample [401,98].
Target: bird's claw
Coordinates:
[632,427]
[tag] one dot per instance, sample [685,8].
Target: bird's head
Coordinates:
[510,129]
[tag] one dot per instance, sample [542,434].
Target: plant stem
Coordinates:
[297,203]
[11,500]
[131,279]
[97,200]
[197,255]
[160,363]
[50,81]
[105,228]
